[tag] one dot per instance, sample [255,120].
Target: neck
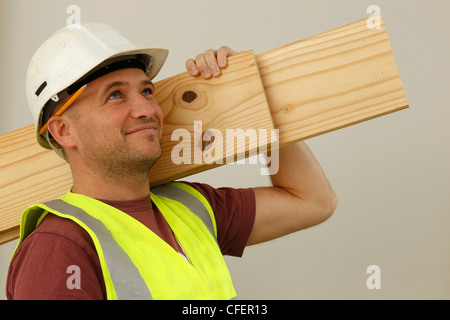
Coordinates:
[120,187]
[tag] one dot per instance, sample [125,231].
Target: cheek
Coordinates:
[98,128]
[158,114]
[112,121]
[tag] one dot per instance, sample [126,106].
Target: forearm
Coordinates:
[301,196]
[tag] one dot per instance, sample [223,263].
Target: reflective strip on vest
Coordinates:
[128,282]
[190,201]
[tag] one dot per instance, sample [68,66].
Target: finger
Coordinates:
[211,60]
[192,68]
[222,56]
[202,66]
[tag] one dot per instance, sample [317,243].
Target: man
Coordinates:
[112,236]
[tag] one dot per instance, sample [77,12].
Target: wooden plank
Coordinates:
[235,100]
[332,80]
[313,86]
[29,174]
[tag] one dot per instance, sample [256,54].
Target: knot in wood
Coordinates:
[286,108]
[189,96]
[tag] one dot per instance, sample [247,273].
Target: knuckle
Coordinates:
[210,52]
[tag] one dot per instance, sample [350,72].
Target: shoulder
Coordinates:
[64,230]
[39,267]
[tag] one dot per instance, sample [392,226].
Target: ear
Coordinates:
[62,131]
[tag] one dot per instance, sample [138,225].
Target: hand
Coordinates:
[210,62]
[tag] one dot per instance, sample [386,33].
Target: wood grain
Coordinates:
[332,80]
[235,100]
[329,81]
[28,174]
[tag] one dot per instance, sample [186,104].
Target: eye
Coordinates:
[115,95]
[147,92]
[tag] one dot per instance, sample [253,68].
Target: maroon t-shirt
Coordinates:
[38,269]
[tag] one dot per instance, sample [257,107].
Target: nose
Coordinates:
[144,107]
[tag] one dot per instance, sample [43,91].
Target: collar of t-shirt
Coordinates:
[147,213]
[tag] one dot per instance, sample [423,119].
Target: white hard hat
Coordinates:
[76,55]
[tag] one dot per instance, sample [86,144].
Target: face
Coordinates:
[118,123]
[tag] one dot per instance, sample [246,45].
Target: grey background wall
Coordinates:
[391,174]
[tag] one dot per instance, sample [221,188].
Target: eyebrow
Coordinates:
[113,85]
[125,83]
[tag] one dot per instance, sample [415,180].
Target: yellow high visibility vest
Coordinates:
[136,263]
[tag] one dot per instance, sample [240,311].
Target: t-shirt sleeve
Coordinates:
[234,211]
[68,267]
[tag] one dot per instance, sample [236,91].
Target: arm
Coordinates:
[300,195]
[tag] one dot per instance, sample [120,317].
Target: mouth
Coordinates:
[144,129]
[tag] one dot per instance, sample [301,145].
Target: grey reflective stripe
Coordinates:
[127,280]
[190,201]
